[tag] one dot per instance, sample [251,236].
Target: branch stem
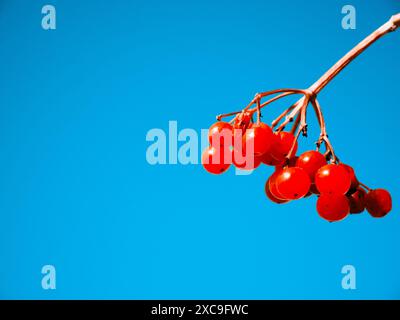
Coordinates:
[389,26]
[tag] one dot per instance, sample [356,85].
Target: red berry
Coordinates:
[271,196]
[267,159]
[242,120]
[246,162]
[260,137]
[378,202]
[292,161]
[282,145]
[272,186]
[333,206]
[220,132]
[293,183]
[213,160]
[332,178]
[354,181]
[311,161]
[357,201]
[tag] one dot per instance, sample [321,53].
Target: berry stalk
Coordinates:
[389,26]
[313,90]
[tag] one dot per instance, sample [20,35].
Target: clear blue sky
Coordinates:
[76,190]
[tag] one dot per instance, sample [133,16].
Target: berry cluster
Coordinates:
[247,144]
[336,185]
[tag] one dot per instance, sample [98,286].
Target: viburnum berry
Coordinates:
[267,159]
[242,121]
[282,145]
[332,178]
[311,161]
[333,206]
[378,202]
[354,181]
[260,137]
[272,186]
[220,132]
[292,183]
[357,200]
[271,196]
[213,160]
[246,162]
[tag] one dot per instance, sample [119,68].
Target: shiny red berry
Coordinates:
[272,186]
[242,120]
[357,201]
[378,202]
[220,133]
[267,159]
[246,161]
[311,161]
[293,183]
[333,206]
[354,181]
[213,161]
[271,196]
[332,178]
[282,145]
[259,136]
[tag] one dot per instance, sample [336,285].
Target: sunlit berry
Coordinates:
[248,161]
[213,160]
[311,161]
[293,183]
[271,196]
[267,159]
[357,200]
[378,202]
[332,178]
[272,186]
[282,145]
[333,206]
[259,136]
[354,181]
[242,120]
[220,133]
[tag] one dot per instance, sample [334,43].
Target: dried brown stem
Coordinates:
[281,116]
[389,26]
[220,116]
[364,186]
[277,98]
[295,124]
[258,112]
[302,127]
